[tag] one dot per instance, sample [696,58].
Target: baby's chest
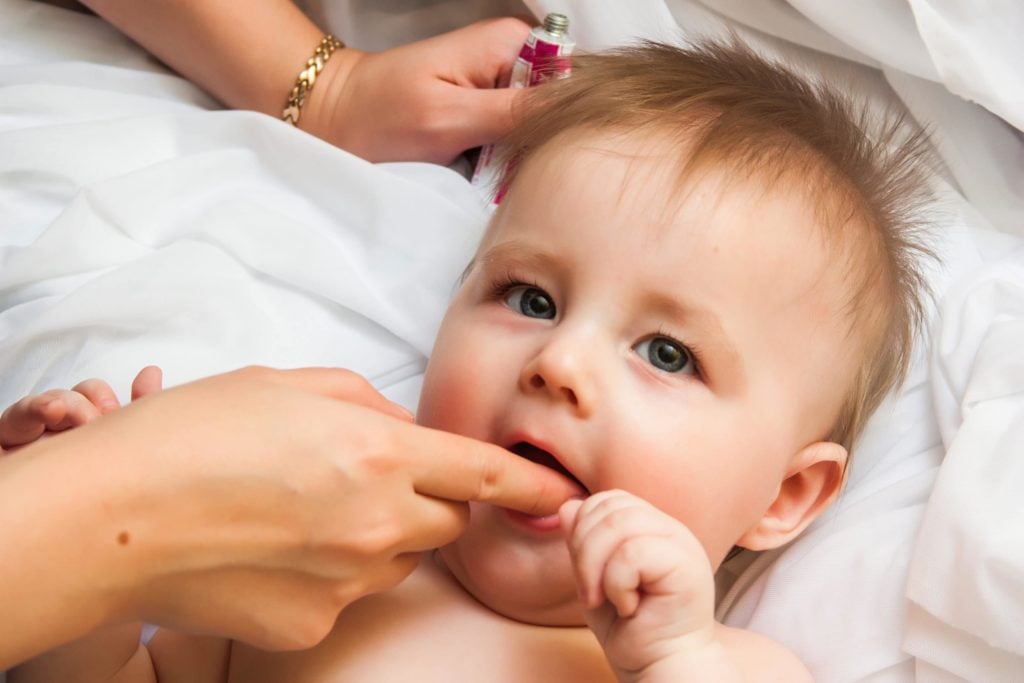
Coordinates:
[423,632]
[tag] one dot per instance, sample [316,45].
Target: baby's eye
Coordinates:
[530,301]
[667,355]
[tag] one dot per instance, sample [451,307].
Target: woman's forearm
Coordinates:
[246,54]
[53,574]
[425,101]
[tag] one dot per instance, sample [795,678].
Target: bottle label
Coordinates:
[539,60]
[549,61]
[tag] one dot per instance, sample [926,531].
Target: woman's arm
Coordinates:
[246,54]
[55,580]
[426,101]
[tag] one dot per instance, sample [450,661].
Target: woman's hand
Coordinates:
[254,504]
[426,101]
[304,487]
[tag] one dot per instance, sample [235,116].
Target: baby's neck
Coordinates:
[429,628]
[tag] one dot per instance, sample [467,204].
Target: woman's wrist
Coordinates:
[58,582]
[307,78]
[321,112]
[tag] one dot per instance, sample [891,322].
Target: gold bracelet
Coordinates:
[307,77]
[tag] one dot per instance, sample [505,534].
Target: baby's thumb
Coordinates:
[567,514]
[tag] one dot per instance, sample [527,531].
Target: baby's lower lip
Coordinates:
[546,524]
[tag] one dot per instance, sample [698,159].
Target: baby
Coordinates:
[699,285]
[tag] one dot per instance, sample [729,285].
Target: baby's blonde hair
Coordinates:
[726,106]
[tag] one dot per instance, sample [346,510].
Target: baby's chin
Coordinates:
[526,584]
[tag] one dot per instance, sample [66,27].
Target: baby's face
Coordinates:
[681,351]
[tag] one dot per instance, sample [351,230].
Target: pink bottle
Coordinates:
[544,55]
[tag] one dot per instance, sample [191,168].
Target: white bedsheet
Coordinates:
[137,226]
[140,227]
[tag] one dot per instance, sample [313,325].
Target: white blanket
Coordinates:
[138,226]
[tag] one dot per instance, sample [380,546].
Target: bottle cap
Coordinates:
[556,23]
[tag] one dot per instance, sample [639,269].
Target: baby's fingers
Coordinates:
[634,566]
[24,421]
[99,393]
[149,381]
[68,409]
[53,411]
[598,534]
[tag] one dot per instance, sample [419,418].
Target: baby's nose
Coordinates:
[538,382]
[561,371]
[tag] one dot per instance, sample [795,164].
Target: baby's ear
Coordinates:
[812,482]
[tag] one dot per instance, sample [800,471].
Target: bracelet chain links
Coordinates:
[307,77]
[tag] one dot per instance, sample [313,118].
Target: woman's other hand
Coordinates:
[426,101]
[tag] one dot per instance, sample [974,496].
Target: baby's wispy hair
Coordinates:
[863,171]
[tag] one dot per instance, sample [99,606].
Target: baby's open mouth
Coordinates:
[540,456]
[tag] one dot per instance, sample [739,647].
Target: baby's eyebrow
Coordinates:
[672,305]
[514,253]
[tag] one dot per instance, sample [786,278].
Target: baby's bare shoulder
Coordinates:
[762,659]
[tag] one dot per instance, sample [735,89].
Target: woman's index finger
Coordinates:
[458,468]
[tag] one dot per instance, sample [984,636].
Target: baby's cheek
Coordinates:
[675,470]
[452,395]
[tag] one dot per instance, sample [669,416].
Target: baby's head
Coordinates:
[699,285]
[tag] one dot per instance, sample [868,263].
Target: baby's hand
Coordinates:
[645,581]
[33,417]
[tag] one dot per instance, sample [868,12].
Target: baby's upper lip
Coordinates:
[541,453]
